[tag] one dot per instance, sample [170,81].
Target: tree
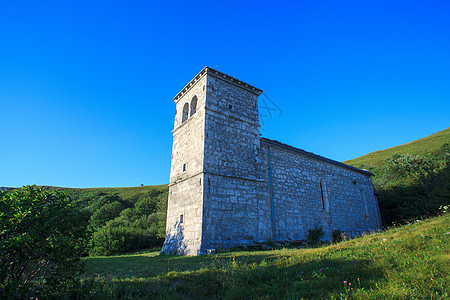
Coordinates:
[105,213]
[41,240]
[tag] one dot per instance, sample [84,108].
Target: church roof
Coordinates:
[220,75]
[318,157]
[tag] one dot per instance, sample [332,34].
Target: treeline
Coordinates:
[412,186]
[121,222]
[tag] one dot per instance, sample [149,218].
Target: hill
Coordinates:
[411,180]
[429,145]
[408,262]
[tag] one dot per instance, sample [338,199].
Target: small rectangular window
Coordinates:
[184,167]
[321,195]
[324,196]
[366,209]
[181,219]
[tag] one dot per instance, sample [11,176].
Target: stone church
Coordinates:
[229,186]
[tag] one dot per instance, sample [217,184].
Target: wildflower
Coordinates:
[349,283]
[345,282]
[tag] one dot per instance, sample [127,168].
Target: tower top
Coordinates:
[220,75]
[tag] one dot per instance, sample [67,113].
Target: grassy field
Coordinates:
[409,262]
[430,144]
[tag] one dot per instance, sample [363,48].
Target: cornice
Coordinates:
[219,75]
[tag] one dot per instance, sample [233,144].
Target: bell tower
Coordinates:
[215,173]
[185,204]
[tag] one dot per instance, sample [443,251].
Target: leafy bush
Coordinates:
[116,239]
[415,167]
[336,236]
[412,186]
[121,220]
[161,215]
[105,213]
[118,230]
[41,240]
[314,235]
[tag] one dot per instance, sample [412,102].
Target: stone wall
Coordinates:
[232,210]
[184,234]
[231,129]
[309,191]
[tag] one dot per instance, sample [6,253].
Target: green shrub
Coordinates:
[114,239]
[117,230]
[101,199]
[121,220]
[416,167]
[314,235]
[336,236]
[105,213]
[412,186]
[41,240]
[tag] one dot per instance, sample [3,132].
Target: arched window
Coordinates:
[193,106]
[185,113]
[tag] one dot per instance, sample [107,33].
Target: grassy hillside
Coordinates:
[127,193]
[430,144]
[407,262]
[411,180]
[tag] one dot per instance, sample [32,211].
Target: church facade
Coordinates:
[229,186]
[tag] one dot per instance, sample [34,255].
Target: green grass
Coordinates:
[122,192]
[408,262]
[428,145]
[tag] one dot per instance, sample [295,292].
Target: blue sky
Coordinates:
[86,87]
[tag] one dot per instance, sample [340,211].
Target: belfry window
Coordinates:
[193,106]
[185,113]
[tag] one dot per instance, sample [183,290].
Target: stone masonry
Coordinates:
[229,187]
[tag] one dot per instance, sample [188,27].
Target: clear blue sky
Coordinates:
[86,87]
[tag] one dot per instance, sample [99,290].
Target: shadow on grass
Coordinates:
[253,276]
[142,266]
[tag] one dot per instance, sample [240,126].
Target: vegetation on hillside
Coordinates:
[409,262]
[429,146]
[412,180]
[122,220]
